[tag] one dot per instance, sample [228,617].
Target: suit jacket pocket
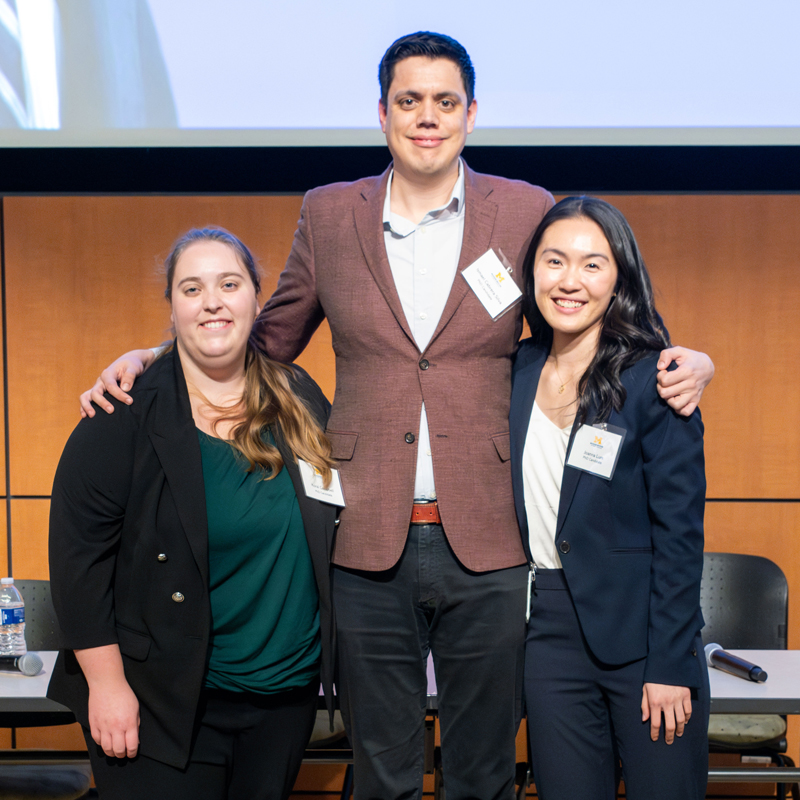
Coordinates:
[502,443]
[132,644]
[343,444]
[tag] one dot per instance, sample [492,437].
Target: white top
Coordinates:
[424,260]
[542,468]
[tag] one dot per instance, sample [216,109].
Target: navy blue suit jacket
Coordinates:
[631,547]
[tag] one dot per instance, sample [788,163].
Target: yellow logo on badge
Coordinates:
[500,277]
[598,440]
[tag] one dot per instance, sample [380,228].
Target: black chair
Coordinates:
[745,602]
[40,774]
[42,631]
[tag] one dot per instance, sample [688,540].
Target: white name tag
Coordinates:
[312,483]
[492,284]
[596,448]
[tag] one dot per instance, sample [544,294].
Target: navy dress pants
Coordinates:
[474,623]
[584,717]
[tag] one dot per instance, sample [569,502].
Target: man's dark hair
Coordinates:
[430,45]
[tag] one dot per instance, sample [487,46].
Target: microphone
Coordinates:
[728,662]
[30,664]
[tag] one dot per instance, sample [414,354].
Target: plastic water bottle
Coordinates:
[12,620]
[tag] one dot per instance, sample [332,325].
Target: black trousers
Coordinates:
[585,716]
[474,623]
[248,747]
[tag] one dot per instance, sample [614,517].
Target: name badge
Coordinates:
[492,284]
[595,449]
[316,490]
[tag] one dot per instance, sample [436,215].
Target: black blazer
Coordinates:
[631,547]
[129,554]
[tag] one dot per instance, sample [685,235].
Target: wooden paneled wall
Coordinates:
[81,285]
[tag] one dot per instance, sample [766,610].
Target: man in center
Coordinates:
[428,555]
[420,427]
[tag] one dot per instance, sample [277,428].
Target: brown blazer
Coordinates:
[338,269]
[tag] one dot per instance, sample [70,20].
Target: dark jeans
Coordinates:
[474,623]
[585,716]
[248,747]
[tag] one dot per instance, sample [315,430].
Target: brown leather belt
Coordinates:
[425,514]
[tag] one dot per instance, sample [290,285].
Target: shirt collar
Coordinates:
[402,227]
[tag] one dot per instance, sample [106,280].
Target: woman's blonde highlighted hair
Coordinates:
[268,397]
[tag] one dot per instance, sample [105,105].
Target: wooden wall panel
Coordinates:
[761,529]
[700,250]
[83,287]
[726,275]
[29,527]
[2,425]
[3,539]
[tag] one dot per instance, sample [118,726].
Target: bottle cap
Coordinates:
[6,581]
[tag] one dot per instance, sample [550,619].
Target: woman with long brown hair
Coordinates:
[189,569]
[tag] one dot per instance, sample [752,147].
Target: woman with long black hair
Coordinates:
[609,488]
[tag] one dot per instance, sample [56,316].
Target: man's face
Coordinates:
[426,118]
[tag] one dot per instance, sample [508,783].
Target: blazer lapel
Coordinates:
[525,383]
[174,438]
[479,217]
[369,228]
[569,483]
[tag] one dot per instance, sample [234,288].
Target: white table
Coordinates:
[23,703]
[779,694]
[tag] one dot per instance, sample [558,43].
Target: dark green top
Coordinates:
[264,603]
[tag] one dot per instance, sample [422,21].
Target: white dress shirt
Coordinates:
[424,260]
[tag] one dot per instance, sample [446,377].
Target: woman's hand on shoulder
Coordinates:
[674,703]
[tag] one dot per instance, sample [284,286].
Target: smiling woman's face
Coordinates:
[574,276]
[214,305]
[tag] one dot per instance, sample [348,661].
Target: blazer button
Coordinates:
[694,651]
[410,438]
[178,597]
[564,547]
[162,556]
[424,364]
